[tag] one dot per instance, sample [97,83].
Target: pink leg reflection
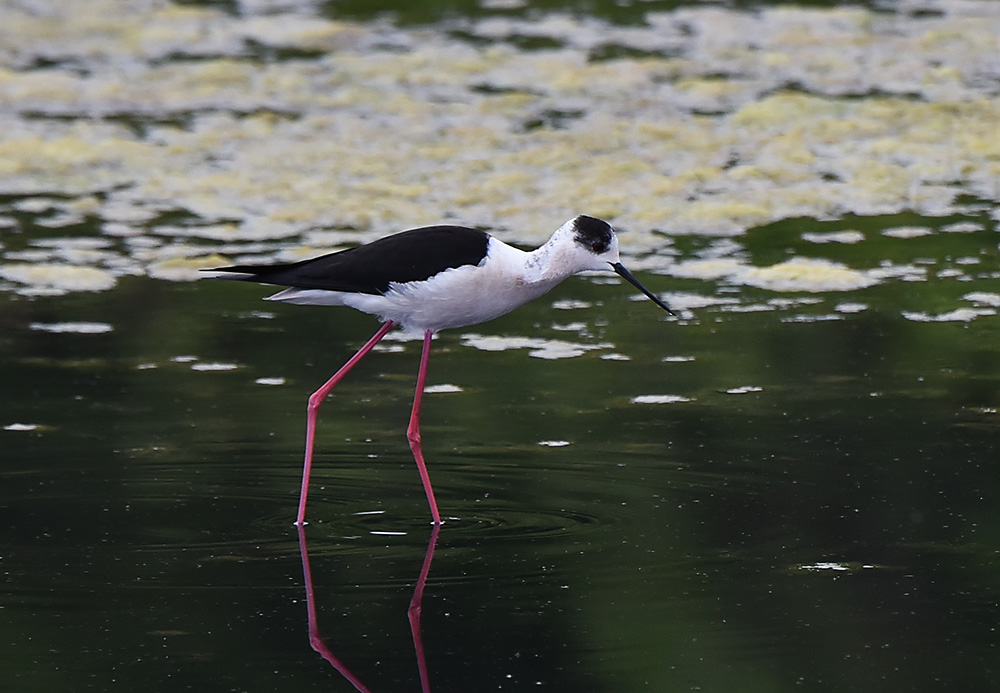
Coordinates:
[314,637]
[316,640]
[413,613]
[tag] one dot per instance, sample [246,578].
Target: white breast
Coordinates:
[458,297]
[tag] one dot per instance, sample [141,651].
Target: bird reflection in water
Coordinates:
[413,612]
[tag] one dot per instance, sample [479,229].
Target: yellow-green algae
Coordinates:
[53,278]
[728,120]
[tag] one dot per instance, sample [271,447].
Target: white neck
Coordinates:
[546,264]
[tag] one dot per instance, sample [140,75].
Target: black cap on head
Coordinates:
[593,234]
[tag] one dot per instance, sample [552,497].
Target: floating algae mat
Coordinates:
[151,138]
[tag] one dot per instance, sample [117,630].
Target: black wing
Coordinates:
[412,255]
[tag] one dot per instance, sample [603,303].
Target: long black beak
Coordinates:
[619,268]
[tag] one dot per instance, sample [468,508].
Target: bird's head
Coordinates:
[594,243]
[594,246]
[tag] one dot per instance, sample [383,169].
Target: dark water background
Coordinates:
[833,528]
[817,508]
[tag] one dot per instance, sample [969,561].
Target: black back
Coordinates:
[409,256]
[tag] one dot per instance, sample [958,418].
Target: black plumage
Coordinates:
[591,233]
[413,255]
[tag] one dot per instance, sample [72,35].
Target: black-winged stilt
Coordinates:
[430,279]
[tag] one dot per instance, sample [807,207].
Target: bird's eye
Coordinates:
[597,246]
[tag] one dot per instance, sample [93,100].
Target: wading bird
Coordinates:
[431,279]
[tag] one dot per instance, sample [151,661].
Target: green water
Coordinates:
[791,484]
[827,529]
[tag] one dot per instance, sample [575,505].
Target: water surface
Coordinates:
[793,483]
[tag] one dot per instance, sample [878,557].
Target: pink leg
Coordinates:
[413,431]
[316,399]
